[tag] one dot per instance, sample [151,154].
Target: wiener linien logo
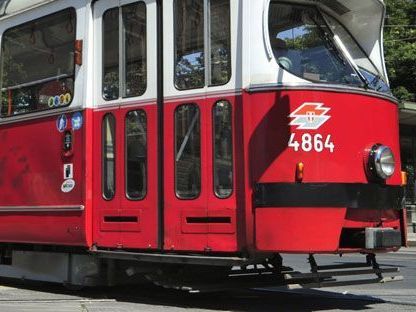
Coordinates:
[309,116]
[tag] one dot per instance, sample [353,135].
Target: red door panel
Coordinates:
[139,228]
[185,225]
[222,212]
[106,227]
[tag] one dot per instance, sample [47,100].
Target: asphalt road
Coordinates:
[17,296]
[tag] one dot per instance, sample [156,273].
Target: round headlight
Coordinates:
[382,162]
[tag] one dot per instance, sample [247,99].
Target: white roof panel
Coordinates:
[8,7]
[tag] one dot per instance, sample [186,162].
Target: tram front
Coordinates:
[323,140]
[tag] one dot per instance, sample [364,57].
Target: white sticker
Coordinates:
[68,186]
[68,171]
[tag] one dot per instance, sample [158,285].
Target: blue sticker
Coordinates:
[76,121]
[56,100]
[61,123]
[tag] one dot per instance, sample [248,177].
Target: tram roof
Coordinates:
[9,7]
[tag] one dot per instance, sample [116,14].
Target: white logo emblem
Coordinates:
[67,186]
[309,116]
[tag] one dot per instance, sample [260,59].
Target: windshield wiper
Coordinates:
[343,54]
[350,60]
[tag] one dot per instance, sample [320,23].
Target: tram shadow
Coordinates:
[276,299]
[270,137]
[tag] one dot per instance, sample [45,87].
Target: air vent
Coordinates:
[208,220]
[121,219]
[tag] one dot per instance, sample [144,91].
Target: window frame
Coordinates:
[50,110]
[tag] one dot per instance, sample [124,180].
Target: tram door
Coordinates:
[199,196]
[125,125]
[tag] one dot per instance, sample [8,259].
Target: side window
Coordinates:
[37,64]
[223,149]
[124,61]
[111,56]
[189,40]
[136,154]
[187,151]
[108,157]
[220,42]
[194,43]
[134,39]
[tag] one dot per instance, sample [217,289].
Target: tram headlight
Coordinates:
[381,161]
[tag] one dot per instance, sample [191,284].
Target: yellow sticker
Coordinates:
[62,99]
[67,98]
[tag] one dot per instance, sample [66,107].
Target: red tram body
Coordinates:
[253,157]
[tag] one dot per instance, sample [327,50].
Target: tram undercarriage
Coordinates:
[191,273]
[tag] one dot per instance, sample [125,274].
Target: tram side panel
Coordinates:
[41,185]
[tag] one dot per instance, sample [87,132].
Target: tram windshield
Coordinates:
[303,43]
[37,64]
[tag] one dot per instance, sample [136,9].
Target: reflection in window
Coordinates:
[134,28]
[136,154]
[189,40]
[187,151]
[303,44]
[110,54]
[220,42]
[108,154]
[37,64]
[223,149]
[375,80]
[133,48]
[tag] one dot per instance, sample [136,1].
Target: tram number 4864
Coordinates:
[309,142]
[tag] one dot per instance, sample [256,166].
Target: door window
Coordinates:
[194,41]
[223,149]
[124,51]
[187,151]
[136,154]
[109,158]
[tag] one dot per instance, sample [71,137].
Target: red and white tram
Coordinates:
[206,133]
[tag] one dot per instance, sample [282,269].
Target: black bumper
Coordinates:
[350,195]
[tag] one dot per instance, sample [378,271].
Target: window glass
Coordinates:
[132,47]
[220,42]
[303,44]
[136,154]
[108,153]
[37,64]
[134,28]
[111,54]
[187,151]
[367,68]
[223,149]
[189,41]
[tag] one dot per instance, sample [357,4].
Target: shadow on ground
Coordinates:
[249,300]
